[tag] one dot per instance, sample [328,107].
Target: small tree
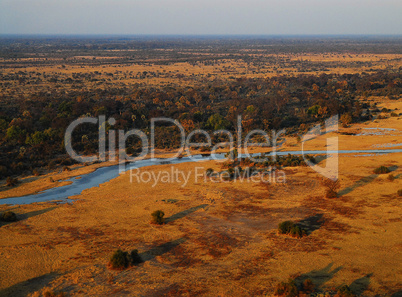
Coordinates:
[8,216]
[331,187]
[121,260]
[290,228]
[382,170]
[135,258]
[285,227]
[158,217]
[346,119]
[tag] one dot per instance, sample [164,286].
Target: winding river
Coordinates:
[104,174]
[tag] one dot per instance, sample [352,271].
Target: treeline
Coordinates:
[32,127]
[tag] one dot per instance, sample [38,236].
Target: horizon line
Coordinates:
[190,35]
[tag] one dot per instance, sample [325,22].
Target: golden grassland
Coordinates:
[186,74]
[220,239]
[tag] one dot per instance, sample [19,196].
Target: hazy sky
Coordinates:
[201,17]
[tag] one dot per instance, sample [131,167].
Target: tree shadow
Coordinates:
[398,176]
[360,285]
[29,286]
[319,277]
[161,249]
[397,294]
[184,213]
[362,182]
[28,215]
[312,223]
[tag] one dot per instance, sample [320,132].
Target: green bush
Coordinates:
[135,257]
[122,260]
[382,170]
[287,289]
[296,231]
[158,217]
[8,216]
[290,228]
[284,227]
[399,193]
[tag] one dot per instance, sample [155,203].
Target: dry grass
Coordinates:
[220,239]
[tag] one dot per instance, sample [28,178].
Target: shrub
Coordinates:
[135,257]
[11,182]
[288,289]
[399,193]
[284,227]
[382,170]
[157,217]
[209,171]
[36,172]
[391,177]
[290,228]
[66,168]
[296,231]
[8,216]
[121,260]
[332,187]
[344,291]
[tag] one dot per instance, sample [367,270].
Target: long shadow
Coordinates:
[362,182]
[184,213]
[312,223]
[161,249]
[29,286]
[397,294]
[319,277]
[360,285]
[28,215]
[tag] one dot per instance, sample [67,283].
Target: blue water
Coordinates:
[102,175]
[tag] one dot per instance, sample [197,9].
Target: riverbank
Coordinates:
[219,238]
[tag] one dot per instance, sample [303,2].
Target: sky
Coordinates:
[202,17]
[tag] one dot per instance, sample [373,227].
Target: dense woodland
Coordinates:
[32,124]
